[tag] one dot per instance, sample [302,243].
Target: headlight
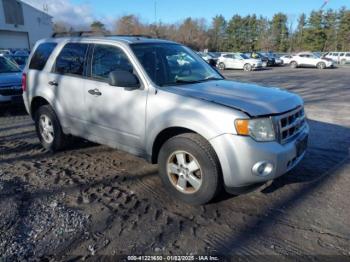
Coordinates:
[260,129]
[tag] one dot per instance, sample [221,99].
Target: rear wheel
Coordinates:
[247,67]
[221,66]
[293,64]
[49,130]
[321,65]
[189,169]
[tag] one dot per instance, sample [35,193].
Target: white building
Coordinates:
[21,25]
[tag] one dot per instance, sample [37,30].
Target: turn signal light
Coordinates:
[242,127]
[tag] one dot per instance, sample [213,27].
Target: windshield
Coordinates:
[21,60]
[7,66]
[173,64]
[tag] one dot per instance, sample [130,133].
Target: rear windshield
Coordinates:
[42,53]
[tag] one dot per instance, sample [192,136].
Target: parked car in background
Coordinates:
[286,59]
[339,57]
[274,59]
[308,59]
[344,58]
[267,61]
[20,59]
[238,61]
[333,56]
[211,60]
[10,81]
[205,133]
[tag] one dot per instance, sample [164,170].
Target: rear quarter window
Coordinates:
[41,55]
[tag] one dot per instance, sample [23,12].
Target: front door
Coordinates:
[116,114]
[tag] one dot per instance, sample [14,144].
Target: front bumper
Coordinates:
[238,155]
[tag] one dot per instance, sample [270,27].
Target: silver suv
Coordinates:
[159,100]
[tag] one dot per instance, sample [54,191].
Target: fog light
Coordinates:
[262,168]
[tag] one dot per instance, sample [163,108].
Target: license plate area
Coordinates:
[301,144]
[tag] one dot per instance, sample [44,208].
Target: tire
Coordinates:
[293,64]
[222,66]
[343,62]
[247,67]
[321,65]
[195,153]
[52,139]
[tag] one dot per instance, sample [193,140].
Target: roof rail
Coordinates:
[75,33]
[144,36]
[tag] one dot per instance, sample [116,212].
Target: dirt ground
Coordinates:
[91,201]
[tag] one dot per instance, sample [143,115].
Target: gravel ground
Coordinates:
[91,201]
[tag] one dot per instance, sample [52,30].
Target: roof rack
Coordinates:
[75,33]
[93,33]
[144,36]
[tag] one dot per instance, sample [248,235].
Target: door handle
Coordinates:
[95,92]
[53,83]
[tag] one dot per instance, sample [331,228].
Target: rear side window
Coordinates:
[348,54]
[71,60]
[106,59]
[41,54]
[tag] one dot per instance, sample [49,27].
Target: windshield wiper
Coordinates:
[182,81]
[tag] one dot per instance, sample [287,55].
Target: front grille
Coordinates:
[10,91]
[290,124]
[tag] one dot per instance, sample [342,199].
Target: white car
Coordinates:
[339,57]
[286,59]
[238,61]
[307,59]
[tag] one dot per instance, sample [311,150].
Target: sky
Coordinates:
[83,12]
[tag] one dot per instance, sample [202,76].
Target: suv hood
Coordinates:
[250,98]
[10,79]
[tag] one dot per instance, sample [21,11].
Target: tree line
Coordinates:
[321,30]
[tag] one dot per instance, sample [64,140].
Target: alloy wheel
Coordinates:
[184,172]
[46,129]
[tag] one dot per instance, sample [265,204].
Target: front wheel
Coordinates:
[49,130]
[247,67]
[321,65]
[189,169]
[221,66]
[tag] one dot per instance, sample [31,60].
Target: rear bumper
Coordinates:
[238,155]
[16,99]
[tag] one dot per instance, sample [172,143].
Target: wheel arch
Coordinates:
[164,136]
[36,103]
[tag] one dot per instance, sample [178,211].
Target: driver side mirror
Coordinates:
[124,78]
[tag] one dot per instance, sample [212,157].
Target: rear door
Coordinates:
[116,114]
[67,81]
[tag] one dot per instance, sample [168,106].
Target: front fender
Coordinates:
[193,121]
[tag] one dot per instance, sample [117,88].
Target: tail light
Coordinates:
[24,82]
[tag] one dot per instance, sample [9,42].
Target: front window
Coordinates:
[173,64]
[7,66]
[107,59]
